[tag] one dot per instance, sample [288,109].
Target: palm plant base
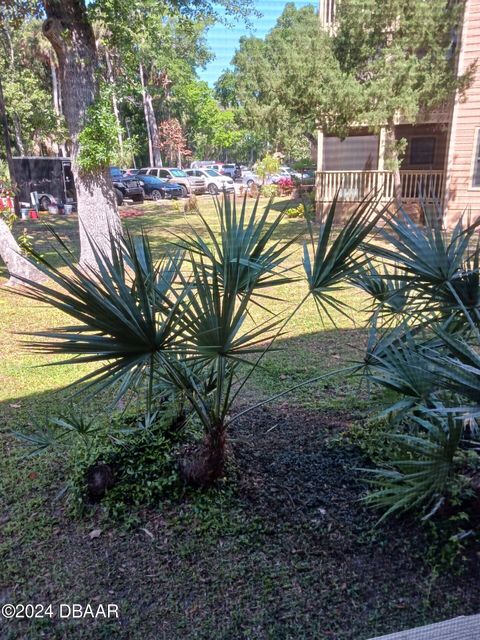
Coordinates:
[202,465]
[100,478]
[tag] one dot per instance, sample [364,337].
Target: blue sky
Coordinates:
[223,40]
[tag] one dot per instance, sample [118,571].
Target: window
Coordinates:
[422,151]
[164,173]
[476,163]
[142,172]
[355,153]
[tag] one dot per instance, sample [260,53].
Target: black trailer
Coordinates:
[51,179]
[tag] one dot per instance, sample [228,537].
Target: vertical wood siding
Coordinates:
[465,126]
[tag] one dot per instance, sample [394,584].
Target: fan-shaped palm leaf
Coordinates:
[441,269]
[124,316]
[244,250]
[422,478]
[335,259]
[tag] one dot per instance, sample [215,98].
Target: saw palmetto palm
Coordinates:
[244,251]
[440,269]
[422,478]
[333,257]
[125,309]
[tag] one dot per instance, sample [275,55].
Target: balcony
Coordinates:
[353,186]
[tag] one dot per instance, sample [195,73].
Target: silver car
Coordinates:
[215,181]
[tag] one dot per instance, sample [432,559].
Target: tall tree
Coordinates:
[70,32]
[171,140]
[35,122]
[290,83]
[211,130]
[402,57]
[384,60]
[68,27]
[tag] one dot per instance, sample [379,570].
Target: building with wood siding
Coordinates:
[441,166]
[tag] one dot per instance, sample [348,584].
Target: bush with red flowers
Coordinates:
[285,185]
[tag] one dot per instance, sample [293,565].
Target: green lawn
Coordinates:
[282,549]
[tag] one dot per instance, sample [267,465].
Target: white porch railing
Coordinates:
[353,186]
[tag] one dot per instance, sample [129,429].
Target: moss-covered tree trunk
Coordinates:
[69,31]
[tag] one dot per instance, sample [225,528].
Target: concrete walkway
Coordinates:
[463,628]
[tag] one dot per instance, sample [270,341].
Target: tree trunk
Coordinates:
[313,141]
[152,129]
[69,31]
[56,96]
[111,81]
[57,107]
[17,265]
[392,161]
[18,135]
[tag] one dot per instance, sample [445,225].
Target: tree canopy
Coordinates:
[384,59]
[166,38]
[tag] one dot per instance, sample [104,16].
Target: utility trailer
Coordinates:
[44,181]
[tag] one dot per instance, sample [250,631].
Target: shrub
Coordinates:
[176,328]
[267,167]
[269,190]
[286,186]
[424,346]
[295,212]
[303,210]
[141,468]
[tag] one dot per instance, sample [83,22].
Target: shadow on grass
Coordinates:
[282,549]
[161,220]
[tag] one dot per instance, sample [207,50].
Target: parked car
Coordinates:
[125,186]
[229,170]
[201,164]
[304,176]
[214,181]
[216,166]
[284,172]
[157,189]
[250,178]
[188,184]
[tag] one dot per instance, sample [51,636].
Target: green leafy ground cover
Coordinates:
[283,548]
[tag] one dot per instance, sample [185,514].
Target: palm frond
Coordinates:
[422,478]
[333,260]
[244,251]
[124,316]
[440,269]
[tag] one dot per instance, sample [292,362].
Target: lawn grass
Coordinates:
[282,549]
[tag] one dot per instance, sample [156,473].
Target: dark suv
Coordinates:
[125,186]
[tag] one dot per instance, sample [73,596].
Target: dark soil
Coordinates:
[284,549]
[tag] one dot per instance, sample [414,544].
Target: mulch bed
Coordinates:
[286,551]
